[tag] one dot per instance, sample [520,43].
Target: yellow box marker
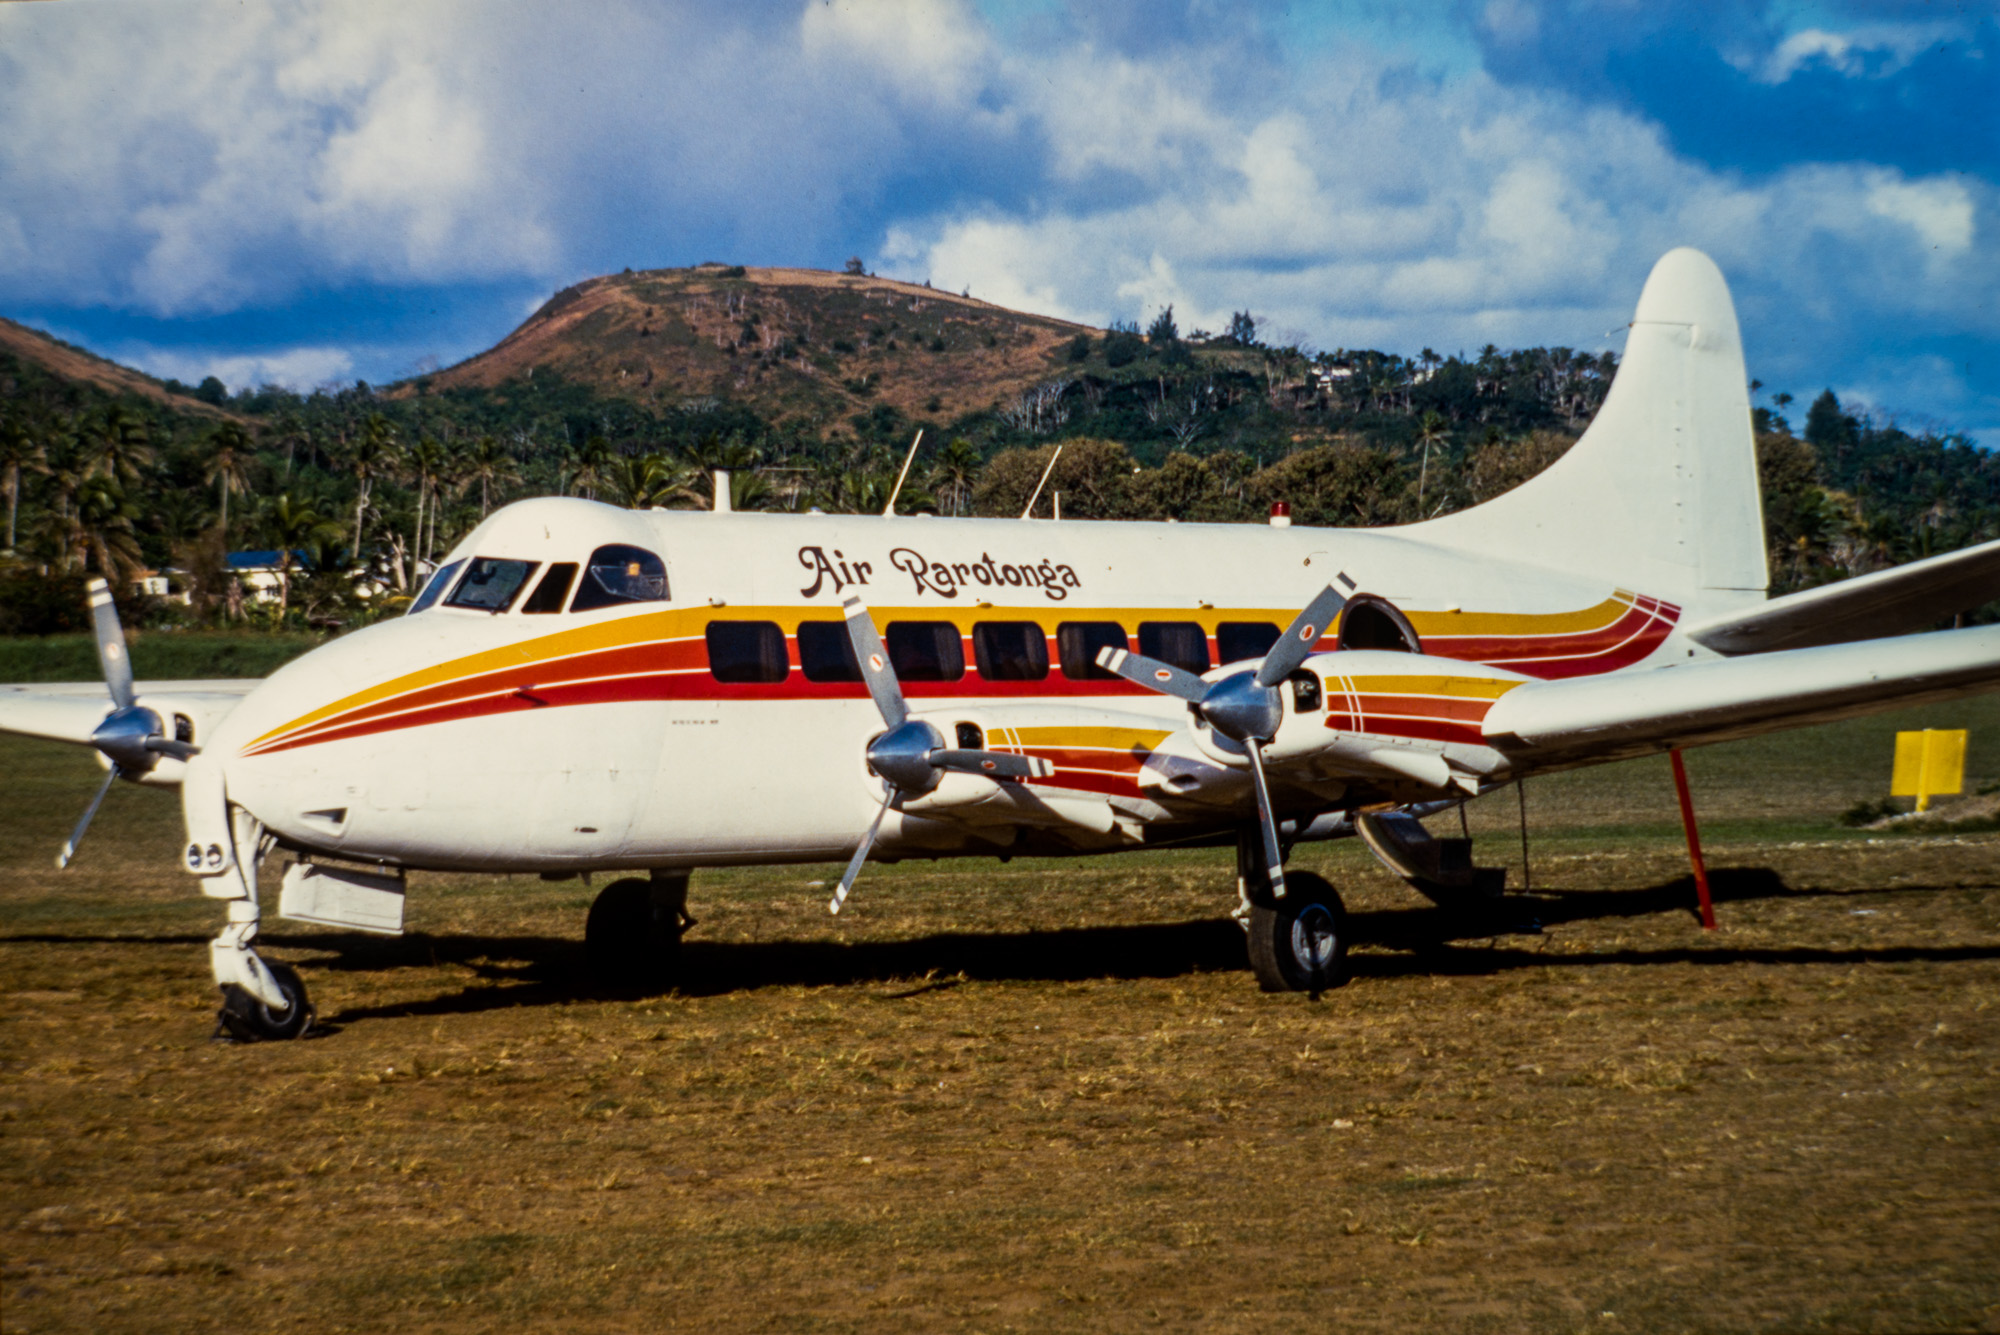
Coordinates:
[1929,763]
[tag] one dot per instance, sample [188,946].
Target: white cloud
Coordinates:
[1939,211]
[1874,50]
[303,369]
[1373,211]
[201,157]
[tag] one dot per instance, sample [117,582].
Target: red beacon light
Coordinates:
[1281,514]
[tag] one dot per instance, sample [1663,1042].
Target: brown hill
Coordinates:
[73,363]
[799,342]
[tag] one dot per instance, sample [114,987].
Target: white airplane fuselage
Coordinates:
[603,739]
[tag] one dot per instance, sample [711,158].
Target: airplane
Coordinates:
[586,689]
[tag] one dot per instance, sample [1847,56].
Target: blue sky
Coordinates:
[306,192]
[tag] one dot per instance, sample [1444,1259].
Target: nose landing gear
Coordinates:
[260,1001]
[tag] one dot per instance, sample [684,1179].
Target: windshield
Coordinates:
[621,574]
[490,584]
[434,587]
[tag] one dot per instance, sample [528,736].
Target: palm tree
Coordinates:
[67,466]
[104,525]
[635,478]
[372,455]
[1431,429]
[489,464]
[229,466]
[118,445]
[425,463]
[591,462]
[18,450]
[290,524]
[955,472]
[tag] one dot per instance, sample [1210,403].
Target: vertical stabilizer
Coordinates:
[1660,495]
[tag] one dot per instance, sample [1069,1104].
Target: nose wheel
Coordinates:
[247,1019]
[1299,943]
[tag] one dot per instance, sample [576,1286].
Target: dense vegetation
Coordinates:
[1151,425]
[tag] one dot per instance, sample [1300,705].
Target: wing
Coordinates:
[1889,602]
[1634,713]
[70,711]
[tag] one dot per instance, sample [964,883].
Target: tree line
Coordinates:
[360,482]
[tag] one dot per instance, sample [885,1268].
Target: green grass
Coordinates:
[1037,1096]
[164,655]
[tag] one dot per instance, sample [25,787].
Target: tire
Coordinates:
[1299,943]
[633,937]
[248,1020]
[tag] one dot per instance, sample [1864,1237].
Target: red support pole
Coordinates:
[1694,842]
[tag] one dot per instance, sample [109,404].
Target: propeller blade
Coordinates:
[993,764]
[89,812]
[876,669]
[860,856]
[1274,857]
[111,644]
[166,746]
[1153,674]
[1300,637]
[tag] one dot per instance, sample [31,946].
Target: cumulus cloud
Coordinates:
[193,157]
[303,369]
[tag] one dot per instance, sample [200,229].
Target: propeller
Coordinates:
[910,756]
[1243,706]
[131,736]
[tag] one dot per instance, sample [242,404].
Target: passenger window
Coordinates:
[1010,650]
[618,574]
[553,590]
[491,584]
[1181,643]
[925,650]
[434,587]
[1238,640]
[746,651]
[826,653]
[1078,643]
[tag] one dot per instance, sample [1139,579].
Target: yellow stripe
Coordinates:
[1506,624]
[1098,739]
[1467,688]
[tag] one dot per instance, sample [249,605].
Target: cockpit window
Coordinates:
[549,594]
[491,584]
[621,574]
[433,590]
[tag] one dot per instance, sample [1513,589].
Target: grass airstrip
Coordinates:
[1039,1096]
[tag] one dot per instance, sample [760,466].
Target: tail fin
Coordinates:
[1661,494]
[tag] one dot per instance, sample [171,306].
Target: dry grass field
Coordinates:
[1038,1096]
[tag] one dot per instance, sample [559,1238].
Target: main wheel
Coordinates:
[1299,943]
[248,1020]
[633,936]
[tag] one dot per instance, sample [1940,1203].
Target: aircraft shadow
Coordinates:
[1417,941]
[1488,938]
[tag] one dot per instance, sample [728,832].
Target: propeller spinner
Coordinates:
[910,756]
[1243,706]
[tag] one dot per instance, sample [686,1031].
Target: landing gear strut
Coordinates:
[260,1001]
[633,934]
